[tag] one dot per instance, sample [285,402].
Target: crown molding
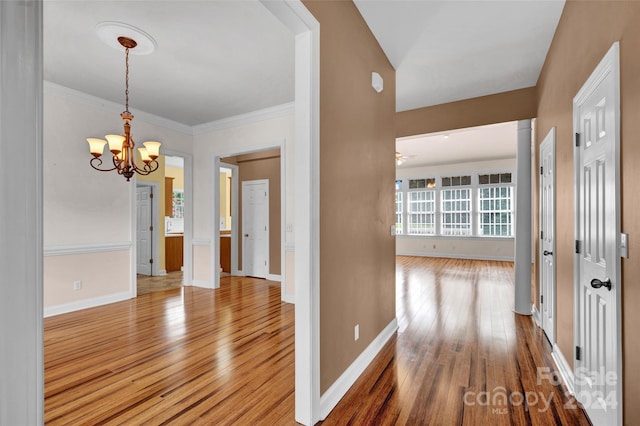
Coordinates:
[64,92]
[225,123]
[245,119]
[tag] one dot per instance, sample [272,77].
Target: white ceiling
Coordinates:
[216,59]
[495,141]
[449,50]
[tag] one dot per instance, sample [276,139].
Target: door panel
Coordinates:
[597,384]
[547,244]
[143,230]
[255,228]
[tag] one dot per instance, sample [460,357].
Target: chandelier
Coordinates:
[122,146]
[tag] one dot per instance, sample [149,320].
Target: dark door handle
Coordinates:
[547,253]
[596,283]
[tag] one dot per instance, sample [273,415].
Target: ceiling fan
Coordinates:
[402,158]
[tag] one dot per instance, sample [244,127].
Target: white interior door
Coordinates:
[598,352]
[143,229]
[548,236]
[255,228]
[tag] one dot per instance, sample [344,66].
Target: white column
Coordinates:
[523,220]
[21,362]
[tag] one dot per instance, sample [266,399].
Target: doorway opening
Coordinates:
[168,206]
[251,201]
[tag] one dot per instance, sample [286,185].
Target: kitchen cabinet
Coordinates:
[168,196]
[173,252]
[225,253]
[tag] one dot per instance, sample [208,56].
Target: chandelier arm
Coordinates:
[97,162]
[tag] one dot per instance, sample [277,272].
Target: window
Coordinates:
[495,209]
[178,205]
[399,205]
[479,204]
[456,211]
[422,212]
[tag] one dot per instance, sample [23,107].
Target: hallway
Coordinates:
[461,356]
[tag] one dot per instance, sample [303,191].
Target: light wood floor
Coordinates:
[147,284]
[196,356]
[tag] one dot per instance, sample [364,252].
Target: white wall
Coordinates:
[484,248]
[87,214]
[253,132]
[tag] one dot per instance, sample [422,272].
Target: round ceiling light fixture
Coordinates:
[110,31]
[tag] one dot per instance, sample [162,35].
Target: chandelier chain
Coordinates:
[126,91]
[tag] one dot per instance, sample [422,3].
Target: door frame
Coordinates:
[610,64]
[214,244]
[154,231]
[267,242]
[551,140]
[155,240]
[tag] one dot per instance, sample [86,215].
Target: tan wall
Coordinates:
[225,199]
[263,165]
[178,176]
[585,33]
[498,108]
[357,173]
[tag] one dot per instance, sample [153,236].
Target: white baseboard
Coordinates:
[563,368]
[339,388]
[273,277]
[86,303]
[202,284]
[162,272]
[289,298]
[535,314]
[454,256]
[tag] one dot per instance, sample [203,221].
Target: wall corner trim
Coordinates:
[535,315]
[563,368]
[339,388]
[87,303]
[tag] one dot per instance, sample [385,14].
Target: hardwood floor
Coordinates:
[182,356]
[197,356]
[460,357]
[147,284]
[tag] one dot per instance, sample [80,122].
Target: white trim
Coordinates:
[201,242]
[563,368]
[306,177]
[455,256]
[339,388]
[73,249]
[202,284]
[52,89]
[535,315]
[277,111]
[87,303]
[289,298]
[274,277]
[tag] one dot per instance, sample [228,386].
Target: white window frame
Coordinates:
[475,201]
